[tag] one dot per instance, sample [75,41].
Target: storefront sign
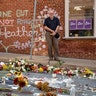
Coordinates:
[80,24]
[84,24]
[72,24]
[88,24]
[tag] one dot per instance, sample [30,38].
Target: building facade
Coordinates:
[77,30]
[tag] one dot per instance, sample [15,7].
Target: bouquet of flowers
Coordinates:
[86,72]
[20,80]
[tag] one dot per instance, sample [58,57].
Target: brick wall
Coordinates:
[15,27]
[84,48]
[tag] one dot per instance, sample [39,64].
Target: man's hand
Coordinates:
[53,33]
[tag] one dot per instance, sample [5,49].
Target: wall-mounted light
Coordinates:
[78,8]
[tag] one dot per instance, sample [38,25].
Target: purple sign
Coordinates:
[83,24]
[80,24]
[88,23]
[72,24]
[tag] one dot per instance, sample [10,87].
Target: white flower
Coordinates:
[50,68]
[45,7]
[1,63]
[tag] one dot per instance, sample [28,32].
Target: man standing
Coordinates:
[51,25]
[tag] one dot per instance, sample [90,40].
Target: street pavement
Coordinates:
[81,84]
[45,60]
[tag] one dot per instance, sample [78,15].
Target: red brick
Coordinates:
[84,48]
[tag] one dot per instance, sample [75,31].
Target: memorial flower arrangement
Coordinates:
[3,66]
[50,91]
[19,66]
[22,65]
[86,72]
[47,91]
[48,94]
[20,80]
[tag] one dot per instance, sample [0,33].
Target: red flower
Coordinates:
[60,90]
[16,81]
[57,71]
[45,68]
[22,83]
[1,67]
[69,74]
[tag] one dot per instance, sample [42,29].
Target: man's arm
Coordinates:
[58,25]
[48,29]
[57,28]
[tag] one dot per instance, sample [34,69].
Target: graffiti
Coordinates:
[27,44]
[18,33]
[6,22]
[28,21]
[22,30]
[25,21]
[6,47]
[21,13]
[6,13]
[20,45]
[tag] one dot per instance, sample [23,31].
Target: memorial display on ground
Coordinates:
[19,77]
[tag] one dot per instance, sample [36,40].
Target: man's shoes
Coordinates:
[57,59]
[50,59]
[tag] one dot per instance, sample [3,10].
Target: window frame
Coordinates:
[67,22]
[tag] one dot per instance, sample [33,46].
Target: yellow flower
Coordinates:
[40,69]
[4,66]
[88,71]
[26,80]
[18,74]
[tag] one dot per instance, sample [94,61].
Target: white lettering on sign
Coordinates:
[87,23]
[79,23]
[72,23]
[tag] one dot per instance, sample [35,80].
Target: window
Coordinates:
[80,18]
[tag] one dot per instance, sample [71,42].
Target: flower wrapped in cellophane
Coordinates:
[20,80]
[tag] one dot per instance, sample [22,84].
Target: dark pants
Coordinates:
[52,43]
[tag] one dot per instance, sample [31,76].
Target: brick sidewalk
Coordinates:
[44,60]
